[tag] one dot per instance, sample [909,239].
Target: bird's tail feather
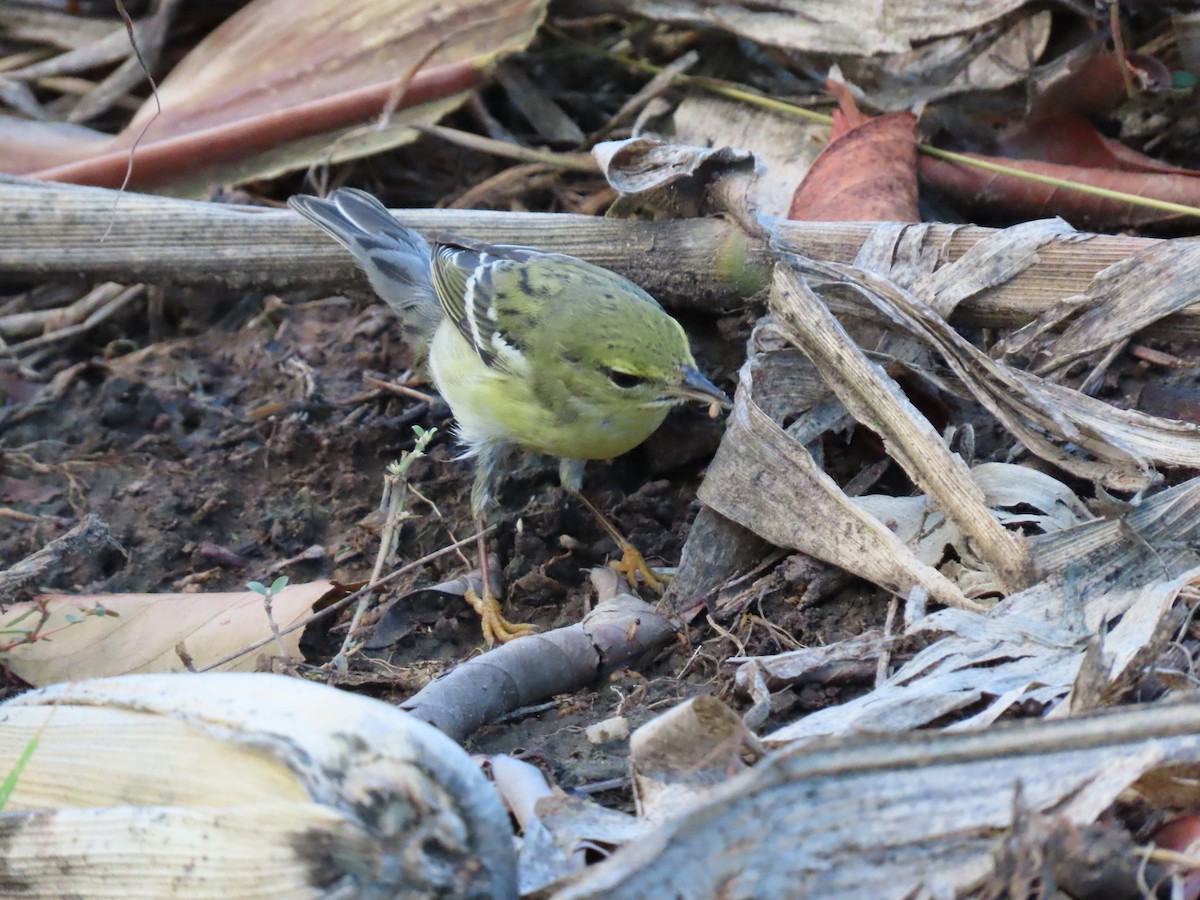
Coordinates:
[396,259]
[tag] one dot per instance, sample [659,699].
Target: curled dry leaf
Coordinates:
[620,631]
[643,164]
[785,146]
[679,179]
[143,631]
[242,785]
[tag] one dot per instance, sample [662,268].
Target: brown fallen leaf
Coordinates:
[251,88]
[1090,80]
[142,634]
[996,194]
[866,174]
[1071,140]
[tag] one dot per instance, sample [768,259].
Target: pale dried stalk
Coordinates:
[766,481]
[53,229]
[877,402]
[888,816]
[46,321]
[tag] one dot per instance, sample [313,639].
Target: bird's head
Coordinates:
[627,352]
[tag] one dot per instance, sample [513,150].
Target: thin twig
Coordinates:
[885,655]
[578,162]
[345,601]
[402,389]
[105,312]
[157,112]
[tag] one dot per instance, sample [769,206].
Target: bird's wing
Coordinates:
[485,291]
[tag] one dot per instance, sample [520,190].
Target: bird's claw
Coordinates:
[495,626]
[632,564]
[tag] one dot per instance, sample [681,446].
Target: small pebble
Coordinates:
[614,729]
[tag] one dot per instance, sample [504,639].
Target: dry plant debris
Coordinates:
[245,785]
[255,100]
[958,486]
[156,632]
[918,814]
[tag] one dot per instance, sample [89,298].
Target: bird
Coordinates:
[531,350]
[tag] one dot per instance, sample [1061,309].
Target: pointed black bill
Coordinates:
[696,387]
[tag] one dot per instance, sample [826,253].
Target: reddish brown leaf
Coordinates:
[281,70]
[1095,85]
[866,174]
[1011,197]
[1070,139]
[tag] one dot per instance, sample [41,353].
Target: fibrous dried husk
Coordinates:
[1031,646]
[241,785]
[902,816]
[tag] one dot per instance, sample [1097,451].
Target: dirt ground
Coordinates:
[221,437]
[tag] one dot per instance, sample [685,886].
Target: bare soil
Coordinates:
[246,434]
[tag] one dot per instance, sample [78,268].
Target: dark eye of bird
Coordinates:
[623,379]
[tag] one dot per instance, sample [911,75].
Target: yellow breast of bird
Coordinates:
[493,407]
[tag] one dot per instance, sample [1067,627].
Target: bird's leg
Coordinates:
[632,562]
[495,626]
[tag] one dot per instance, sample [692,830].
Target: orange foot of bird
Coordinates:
[633,564]
[495,626]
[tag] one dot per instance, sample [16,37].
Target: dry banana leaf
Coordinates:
[915,815]
[241,785]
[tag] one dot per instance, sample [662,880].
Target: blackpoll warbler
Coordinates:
[530,349]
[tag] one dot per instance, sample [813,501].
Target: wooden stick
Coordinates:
[704,264]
